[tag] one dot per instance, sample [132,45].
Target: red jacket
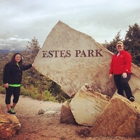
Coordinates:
[121,63]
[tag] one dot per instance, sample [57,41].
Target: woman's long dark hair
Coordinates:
[14,61]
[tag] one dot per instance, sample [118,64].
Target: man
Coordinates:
[120,67]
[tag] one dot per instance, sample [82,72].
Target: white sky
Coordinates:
[22,20]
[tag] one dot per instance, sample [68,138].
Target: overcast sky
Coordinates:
[22,20]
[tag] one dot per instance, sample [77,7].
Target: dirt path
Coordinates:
[46,126]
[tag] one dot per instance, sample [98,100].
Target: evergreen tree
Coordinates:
[28,57]
[132,43]
[31,50]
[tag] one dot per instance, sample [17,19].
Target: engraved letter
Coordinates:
[98,52]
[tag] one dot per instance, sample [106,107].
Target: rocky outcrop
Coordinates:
[71,58]
[119,118]
[9,125]
[108,117]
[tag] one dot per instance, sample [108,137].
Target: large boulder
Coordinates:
[71,58]
[9,126]
[119,118]
[87,105]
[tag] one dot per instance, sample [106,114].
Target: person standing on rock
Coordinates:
[12,77]
[120,67]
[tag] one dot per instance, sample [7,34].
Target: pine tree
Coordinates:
[31,50]
[132,43]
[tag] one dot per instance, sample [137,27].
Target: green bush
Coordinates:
[48,97]
[35,94]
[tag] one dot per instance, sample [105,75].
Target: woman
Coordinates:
[12,77]
[121,69]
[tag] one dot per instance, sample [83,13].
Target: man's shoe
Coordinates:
[132,99]
[10,112]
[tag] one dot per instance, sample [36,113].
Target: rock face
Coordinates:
[9,125]
[87,105]
[119,118]
[71,58]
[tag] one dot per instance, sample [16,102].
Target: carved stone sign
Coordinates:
[71,59]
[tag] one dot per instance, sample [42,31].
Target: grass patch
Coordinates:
[35,94]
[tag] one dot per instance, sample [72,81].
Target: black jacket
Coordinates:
[12,74]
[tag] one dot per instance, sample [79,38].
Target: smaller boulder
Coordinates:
[87,105]
[9,126]
[119,118]
[41,111]
[66,114]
